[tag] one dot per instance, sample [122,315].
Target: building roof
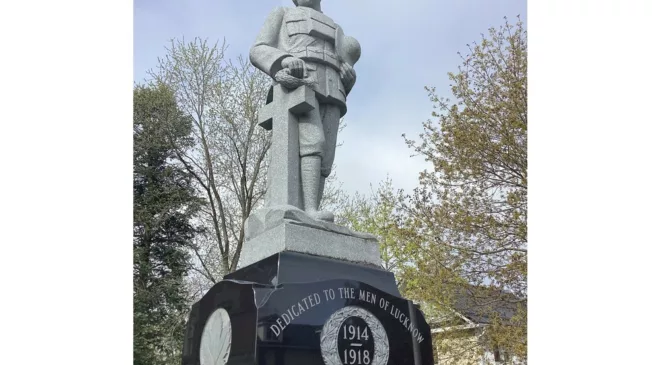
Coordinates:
[480,304]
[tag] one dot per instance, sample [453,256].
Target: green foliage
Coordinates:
[163,203]
[380,214]
[470,212]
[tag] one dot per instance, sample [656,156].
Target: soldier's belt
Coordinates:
[318,56]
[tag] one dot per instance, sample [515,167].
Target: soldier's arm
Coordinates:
[264,54]
[348,77]
[349,51]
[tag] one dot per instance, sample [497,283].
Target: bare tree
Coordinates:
[229,157]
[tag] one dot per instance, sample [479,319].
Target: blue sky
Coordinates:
[406,45]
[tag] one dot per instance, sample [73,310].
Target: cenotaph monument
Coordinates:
[307,291]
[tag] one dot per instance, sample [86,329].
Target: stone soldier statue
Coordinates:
[290,246]
[302,47]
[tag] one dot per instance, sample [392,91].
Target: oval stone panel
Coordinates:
[216,339]
[354,336]
[355,342]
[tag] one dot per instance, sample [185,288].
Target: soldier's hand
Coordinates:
[295,65]
[347,75]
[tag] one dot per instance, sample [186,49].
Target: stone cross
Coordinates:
[281,115]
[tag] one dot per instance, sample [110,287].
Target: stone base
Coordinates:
[293,267]
[318,240]
[265,219]
[245,323]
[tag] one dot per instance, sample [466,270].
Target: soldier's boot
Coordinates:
[310,173]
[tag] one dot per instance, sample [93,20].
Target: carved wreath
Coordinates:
[330,333]
[216,339]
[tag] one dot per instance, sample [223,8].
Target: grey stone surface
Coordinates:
[311,62]
[321,239]
[284,184]
[265,219]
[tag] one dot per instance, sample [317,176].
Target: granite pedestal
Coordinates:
[321,239]
[324,322]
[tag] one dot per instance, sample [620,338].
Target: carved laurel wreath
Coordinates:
[330,333]
[216,339]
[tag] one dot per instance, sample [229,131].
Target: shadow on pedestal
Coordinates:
[293,267]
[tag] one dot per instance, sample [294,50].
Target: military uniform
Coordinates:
[315,38]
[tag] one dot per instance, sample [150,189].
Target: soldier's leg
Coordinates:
[310,134]
[312,147]
[330,115]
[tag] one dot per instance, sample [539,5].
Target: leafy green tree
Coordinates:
[380,214]
[470,211]
[163,204]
